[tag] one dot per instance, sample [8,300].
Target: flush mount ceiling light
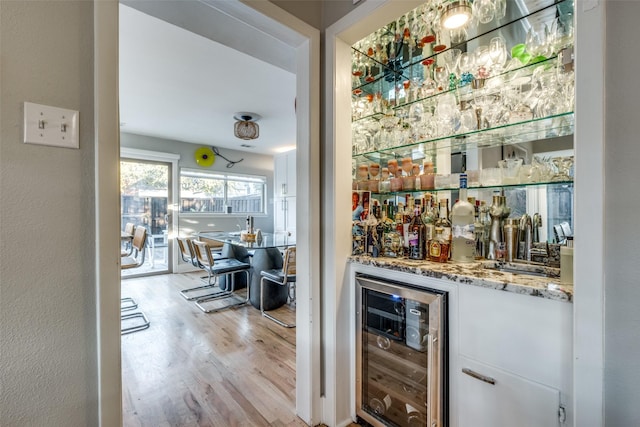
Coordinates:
[456,14]
[246,127]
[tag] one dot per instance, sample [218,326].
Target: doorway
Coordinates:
[145,194]
[306,42]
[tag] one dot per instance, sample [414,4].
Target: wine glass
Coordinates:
[441,76]
[497,54]
[483,10]
[407,165]
[499,8]
[429,85]
[481,58]
[466,64]
[392,165]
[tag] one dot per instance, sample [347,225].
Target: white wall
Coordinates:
[253,164]
[48,373]
[622,200]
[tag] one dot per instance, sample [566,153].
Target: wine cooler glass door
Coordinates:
[399,354]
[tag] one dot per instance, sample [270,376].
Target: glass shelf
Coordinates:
[545,14]
[514,133]
[466,93]
[489,187]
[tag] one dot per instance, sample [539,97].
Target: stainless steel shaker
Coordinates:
[511,226]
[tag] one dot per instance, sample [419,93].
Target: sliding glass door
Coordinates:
[144,201]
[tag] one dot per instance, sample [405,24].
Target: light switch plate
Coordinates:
[45,125]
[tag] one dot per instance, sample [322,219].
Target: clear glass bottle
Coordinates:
[444,224]
[463,240]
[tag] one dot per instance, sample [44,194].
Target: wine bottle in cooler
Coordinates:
[463,239]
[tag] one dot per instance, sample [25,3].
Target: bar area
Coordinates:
[462,130]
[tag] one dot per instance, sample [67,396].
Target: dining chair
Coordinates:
[283,277]
[188,254]
[216,268]
[135,260]
[127,237]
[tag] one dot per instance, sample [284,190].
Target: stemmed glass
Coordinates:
[498,54]
[466,64]
[482,58]
[537,41]
[429,15]
[499,8]
[429,85]
[441,76]
[356,69]
[483,10]
[452,58]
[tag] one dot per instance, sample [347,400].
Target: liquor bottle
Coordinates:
[416,234]
[444,224]
[485,218]
[463,240]
[429,217]
[478,230]
[377,232]
[439,246]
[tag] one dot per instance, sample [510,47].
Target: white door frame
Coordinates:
[308,399]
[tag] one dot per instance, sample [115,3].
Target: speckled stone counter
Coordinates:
[477,274]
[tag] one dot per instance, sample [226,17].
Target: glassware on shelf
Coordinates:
[490,177]
[385,183]
[563,166]
[427,179]
[363,177]
[510,171]
[374,182]
[497,54]
[483,10]
[408,181]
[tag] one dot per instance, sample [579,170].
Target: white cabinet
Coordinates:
[524,344]
[285,174]
[284,212]
[490,397]
[284,202]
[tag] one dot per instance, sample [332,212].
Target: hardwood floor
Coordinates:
[231,368]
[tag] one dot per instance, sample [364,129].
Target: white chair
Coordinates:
[225,267]
[284,277]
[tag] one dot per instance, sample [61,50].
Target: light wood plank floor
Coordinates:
[231,368]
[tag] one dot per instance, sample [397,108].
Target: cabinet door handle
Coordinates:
[478,376]
[284,188]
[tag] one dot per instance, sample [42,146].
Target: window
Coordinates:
[210,192]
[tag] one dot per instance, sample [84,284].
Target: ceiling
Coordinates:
[181,85]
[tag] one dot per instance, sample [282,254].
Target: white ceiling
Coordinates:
[179,85]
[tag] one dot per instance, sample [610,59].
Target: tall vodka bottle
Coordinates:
[463,240]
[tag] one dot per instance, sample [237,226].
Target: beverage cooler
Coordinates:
[401,363]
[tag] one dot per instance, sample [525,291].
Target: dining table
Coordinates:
[263,254]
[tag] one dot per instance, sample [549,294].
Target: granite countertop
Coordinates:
[481,274]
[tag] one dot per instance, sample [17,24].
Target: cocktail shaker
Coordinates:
[511,226]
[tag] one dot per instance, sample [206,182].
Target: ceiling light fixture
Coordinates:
[456,14]
[246,127]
